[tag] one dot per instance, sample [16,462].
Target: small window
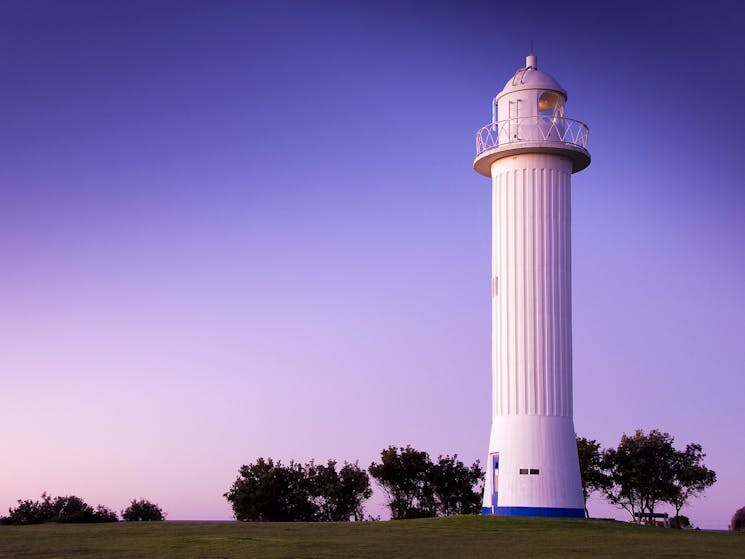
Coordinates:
[524,471]
[534,471]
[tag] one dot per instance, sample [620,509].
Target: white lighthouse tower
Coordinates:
[530,150]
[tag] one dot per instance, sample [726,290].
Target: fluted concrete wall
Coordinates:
[531,286]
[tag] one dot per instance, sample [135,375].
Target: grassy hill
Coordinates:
[470,537]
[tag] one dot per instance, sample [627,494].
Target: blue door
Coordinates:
[495,478]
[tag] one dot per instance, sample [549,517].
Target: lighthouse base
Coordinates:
[533,469]
[545,512]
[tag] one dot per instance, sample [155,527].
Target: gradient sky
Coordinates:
[242,229]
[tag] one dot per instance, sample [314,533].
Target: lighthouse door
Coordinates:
[495,479]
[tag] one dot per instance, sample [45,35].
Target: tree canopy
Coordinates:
[738,521]
[143,510]
[338,495]
[417,487]
[271,491]
[456,488]
[644,471]
[691,476]
[403,475]
[594,477]
[69,508]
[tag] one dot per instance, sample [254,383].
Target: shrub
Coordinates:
[680,521]
[270,491]
[738,521]
[104,514]
[31,512]
[143,510]
[69,508]
[416,487]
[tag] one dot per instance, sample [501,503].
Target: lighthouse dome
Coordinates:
[531,77]
[529,116]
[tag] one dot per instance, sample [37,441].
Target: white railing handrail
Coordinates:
[539,128]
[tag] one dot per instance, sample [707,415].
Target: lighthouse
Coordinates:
[530,150]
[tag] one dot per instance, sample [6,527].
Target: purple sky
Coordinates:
[242,229]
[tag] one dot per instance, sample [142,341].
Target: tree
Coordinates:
[143,510]
[641,471]
[738,521]
[691,476]
[72,509]
[680,521]
[646,469]
[69,508]
[338,496]
[591,468]
[31,512]
[456,488]
[404,476]
[104,514]
[269,492]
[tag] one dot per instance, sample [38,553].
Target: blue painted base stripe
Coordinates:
[534,511]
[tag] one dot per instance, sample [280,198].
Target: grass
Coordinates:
[469,537]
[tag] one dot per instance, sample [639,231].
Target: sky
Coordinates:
[241,229]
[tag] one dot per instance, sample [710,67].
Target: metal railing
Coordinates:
[540,128]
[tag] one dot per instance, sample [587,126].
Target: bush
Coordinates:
[680,521]
[104,514]
[417,487]
[738,521]
[457,488]
[69,508]
[338,496]
[72,509]
[143,510]
[269,491]
[31,512]
[404,475]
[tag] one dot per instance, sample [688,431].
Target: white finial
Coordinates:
[531,61]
